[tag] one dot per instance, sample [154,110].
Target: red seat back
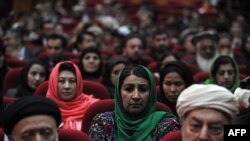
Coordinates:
[73,135]
[173,136]
[200,77]
[11,79]
[1,135]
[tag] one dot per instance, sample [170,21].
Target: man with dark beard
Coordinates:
[161,44]
[133,48]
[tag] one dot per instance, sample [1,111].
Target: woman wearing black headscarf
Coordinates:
[112,69]
[32,75]
[174,78]
[91,64]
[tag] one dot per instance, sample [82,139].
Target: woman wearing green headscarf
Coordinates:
[224,72]
[135,116]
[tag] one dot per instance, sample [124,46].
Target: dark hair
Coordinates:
[109,67]
[80,36]
[133,69]
[67,67]
[60,37]
[180,68]
[23,88]
[221,60]
[131,36]
[84,73]
[160,32]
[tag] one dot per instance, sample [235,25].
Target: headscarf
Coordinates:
[212,79]
[211,96]
[108,70]
[93,75]
[180,68]
[23,88]
[138,129]
[72,111]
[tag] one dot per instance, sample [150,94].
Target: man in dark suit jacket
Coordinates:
[54,50]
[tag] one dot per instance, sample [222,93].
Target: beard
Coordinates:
[205,64]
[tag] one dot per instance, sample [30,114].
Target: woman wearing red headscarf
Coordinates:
[65,89]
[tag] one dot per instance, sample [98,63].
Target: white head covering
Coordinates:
[207,96]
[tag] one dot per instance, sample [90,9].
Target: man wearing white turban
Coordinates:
[204,110]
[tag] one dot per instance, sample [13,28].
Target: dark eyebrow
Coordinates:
[196,120]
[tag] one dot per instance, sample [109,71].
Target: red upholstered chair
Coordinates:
[68,54]
[89,87]
[153,67]
[173,136]
[42,89]
[200,77]
[96,88]
[13,63]
[7,100]
[73,135]
[107,105]
[1,135]
[11,79]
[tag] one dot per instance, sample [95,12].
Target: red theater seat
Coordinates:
[173,136]
[73,135]
[11,79]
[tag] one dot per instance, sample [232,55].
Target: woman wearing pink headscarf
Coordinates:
[65,88]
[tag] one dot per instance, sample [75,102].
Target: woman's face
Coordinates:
[134,94]
[66,85]
[225,75]
[115,71]
[91,62]
[36,75]
[173,84]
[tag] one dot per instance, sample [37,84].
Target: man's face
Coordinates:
[204,124]
[133,48]
[48,28]
[161,41]
[54,49]
[206,48]
[11,41]
[35,128]
[88,41]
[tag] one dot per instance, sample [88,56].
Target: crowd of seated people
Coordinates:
[135,53]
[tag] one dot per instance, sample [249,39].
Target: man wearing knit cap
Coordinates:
[206,44]
[31,118]
[204,110]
